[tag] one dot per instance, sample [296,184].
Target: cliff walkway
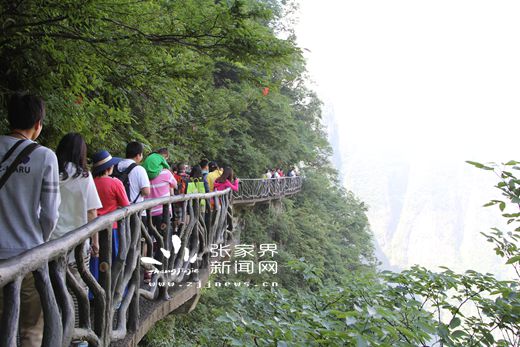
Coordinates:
[123,308]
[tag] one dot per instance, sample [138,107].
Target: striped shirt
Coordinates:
[160,187]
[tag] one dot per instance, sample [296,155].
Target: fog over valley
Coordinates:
[411,91]
[422,210]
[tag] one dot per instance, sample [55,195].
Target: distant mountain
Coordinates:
[334,134]
[427,212]
[422,210]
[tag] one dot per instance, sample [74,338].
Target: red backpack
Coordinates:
[182,184]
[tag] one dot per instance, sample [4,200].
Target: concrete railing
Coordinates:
[117,294]
[121,309]
[252,191]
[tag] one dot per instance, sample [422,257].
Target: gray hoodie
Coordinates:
[29,200]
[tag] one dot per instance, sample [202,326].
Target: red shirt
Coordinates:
[112,195]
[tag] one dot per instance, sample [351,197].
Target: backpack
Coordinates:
[196,186]
[123,177]
[182,184]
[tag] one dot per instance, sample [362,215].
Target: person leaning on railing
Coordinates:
[227,180]
[162,184]
[29,201]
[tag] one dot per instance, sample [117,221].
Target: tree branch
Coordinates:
[42,22]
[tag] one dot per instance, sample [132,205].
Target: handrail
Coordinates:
[117,293]
[256,190]
[55,248]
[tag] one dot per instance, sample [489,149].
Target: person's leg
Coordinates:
[73,267]
[147,273]
[31,314]
[115,244]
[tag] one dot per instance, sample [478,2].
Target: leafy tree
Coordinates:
[183,74]
[189,75]
[506,242]
[313,307]
[411,308]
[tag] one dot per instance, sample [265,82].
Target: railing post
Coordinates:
[58,274]
[133,309]
[53,332]
[11,313]
[119,280]
[103,307]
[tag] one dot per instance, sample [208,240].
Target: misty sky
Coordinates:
[435,78]
[416,88]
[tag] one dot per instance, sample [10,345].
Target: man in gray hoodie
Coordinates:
[29,201]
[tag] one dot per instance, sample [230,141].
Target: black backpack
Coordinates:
[123,177]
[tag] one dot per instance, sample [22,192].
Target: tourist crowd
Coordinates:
[44,195]
[278,173]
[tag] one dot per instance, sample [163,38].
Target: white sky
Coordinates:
[424,77]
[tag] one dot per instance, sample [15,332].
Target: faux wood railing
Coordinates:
[254,191]
[119,279]
[119,293]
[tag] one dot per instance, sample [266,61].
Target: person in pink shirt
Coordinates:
[224,181]
[161,186]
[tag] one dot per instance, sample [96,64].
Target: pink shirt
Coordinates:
[227,184]
[160,187]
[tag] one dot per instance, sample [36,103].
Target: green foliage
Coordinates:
[413,308]
[313,307]
[360,312]
[323,224]
[467,307]
[506,243]
[187,75]
[197,328]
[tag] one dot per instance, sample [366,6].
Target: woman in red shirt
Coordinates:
[111,192]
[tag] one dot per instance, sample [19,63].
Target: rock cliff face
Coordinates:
[427,212]
[422,210]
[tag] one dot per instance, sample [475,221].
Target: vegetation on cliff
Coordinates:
[204,78]
[225,80]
